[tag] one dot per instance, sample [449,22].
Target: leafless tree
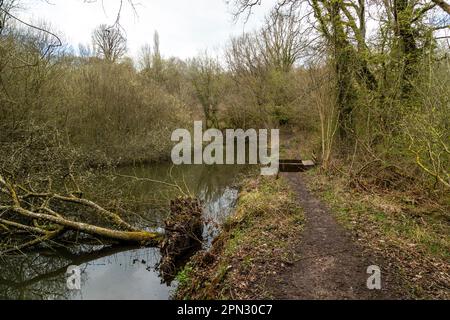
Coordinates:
[109,43]
[145,57]
[282,41]
[5,7]
[206,76]
[278,45]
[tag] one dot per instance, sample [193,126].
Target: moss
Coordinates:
[183,276]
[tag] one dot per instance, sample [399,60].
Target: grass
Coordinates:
[183,276]
[413,238]
[254,246]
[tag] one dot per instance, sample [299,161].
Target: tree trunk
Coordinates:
[343,69]
[149,238]
[408,51]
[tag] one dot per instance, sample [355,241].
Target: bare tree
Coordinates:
[109,43]
[157,61]
[282,42]
[5,7]
[206,76]
[145,57]
[343,25]
[278,45]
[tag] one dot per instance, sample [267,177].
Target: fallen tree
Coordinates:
[35,216]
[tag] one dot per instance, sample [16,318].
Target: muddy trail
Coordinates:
[330,264]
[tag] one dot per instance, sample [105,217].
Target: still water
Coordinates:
[123,272]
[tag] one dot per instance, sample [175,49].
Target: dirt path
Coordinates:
[331,265]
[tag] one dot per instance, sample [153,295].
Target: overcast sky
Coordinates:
[186,27]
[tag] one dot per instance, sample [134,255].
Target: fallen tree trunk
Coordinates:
[128,236]
[31,213]
[40,217]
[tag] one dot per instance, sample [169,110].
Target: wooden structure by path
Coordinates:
[296,165]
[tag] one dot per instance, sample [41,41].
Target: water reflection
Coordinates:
[123,276]
[108,273]
[122,272]
[215,186]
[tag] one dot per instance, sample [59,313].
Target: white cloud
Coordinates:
[186,27]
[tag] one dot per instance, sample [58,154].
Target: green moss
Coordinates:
[184,276]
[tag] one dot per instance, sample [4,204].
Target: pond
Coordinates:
[121,273]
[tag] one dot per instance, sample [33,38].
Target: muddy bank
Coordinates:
[183,236]
[253,248]
[148,207]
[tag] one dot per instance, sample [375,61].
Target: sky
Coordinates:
[186,27]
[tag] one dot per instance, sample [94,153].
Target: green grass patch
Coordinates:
[414,237]
[254,244]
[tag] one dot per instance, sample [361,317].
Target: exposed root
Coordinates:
[184,230]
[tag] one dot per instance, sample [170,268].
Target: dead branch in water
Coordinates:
[31,213]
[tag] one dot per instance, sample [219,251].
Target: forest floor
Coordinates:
[305,236]
[314,236]
[347,229]
[330,265]
[406,234]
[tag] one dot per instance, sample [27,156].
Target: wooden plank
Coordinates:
[295,165]
[284,161]
[308,163]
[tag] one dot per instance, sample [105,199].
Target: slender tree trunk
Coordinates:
[343,70]
[407,47]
